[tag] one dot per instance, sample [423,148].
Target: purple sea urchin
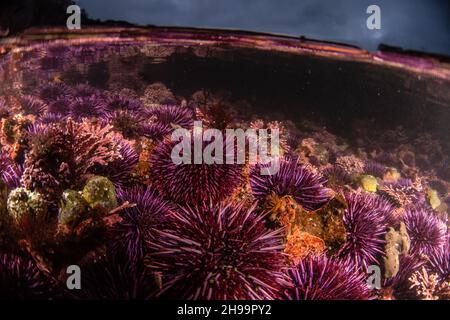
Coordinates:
[219,252]
[173,115]
[427,232]
[86,107]
[138,224]
[127,122]
[292,179]
[9,171]
[192,184]
[375,169]
[84,91]
[61,106]
[335,175]
[322,278]
[156,130]
[114,277]
[32,105]
[440,262]
[120,102]
[54,91]
[50,118]
[365,220]
[21,279]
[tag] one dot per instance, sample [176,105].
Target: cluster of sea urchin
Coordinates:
[218,252]
[191,230]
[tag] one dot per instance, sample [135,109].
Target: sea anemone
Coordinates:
[192,183]
[9,171]
[86,107]
[218,252]
[428,233]
[53,91]
[365,219]
[292,179]
[322,278]
[150,212]
[21,279]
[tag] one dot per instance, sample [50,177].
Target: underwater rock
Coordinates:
[301,244]
[334,232]
[100,193]
[283,210]
[316,230]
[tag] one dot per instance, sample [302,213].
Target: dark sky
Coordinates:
[412,24]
